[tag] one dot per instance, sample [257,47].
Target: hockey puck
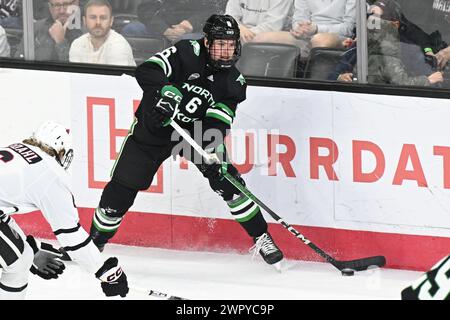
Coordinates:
[347,272]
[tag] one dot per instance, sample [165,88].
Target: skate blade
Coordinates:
[277,266]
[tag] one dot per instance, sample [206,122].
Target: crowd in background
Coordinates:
[407,39]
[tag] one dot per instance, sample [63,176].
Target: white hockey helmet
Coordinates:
[55,136]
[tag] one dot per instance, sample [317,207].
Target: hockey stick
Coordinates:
[153,293]
[346,267]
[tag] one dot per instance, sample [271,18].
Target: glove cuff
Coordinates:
[108,265]
[171,92]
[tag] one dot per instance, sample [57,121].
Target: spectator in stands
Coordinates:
[54,35]
[385,64]
[4,46]
[344,69]
[257,18]
[416,46]
[101,44]
[10,14]
[324,23]
[172,19]
[40,8]
[433,16]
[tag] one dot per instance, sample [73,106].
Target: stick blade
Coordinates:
[362,264]
[176,298]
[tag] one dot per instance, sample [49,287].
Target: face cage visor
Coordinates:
[219,63]
[66,159]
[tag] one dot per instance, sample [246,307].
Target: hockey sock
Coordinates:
[248,214]
[103,226]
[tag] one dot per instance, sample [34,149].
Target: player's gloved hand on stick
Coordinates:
[166,106]
[46,263]
[216,166]
[113,279]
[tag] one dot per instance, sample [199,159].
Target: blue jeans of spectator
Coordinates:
[135,29]
[414,60]
[138,29]
[11,22]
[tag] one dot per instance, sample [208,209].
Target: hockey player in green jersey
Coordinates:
[196,84]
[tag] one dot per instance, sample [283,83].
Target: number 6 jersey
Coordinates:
[208,96]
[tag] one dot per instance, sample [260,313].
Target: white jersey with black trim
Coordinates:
[432,285]
[32,180]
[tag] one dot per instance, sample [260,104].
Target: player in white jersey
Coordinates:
[30,180]
[432,285]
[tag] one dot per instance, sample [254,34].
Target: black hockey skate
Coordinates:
[100,238]
[267,248]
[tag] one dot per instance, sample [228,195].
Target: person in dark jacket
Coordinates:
[385,63]
[433,16]
[54,35]
[401,42]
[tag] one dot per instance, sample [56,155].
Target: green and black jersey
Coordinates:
[210,97]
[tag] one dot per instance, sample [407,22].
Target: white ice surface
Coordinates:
[224,276]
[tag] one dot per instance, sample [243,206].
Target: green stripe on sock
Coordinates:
[250,216]
[99,228]
[235,203]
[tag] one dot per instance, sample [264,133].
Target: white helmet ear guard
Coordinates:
[55,136]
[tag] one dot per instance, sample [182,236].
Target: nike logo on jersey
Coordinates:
[211,78]
[194,76]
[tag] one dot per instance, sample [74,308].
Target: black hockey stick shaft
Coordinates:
[157,294]
[357,265]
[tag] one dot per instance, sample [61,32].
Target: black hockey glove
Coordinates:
[46,263]
[166,106]
[216,166]
[113,279]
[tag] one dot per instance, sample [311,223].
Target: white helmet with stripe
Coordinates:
[55,136]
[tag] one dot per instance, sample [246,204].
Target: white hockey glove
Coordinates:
[46,263]
[113,279]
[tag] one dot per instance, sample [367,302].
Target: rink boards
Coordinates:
[358,174]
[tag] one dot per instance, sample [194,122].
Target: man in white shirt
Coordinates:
[4,46]
[33,178]
[257,17]
[101,44]
[318,23]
